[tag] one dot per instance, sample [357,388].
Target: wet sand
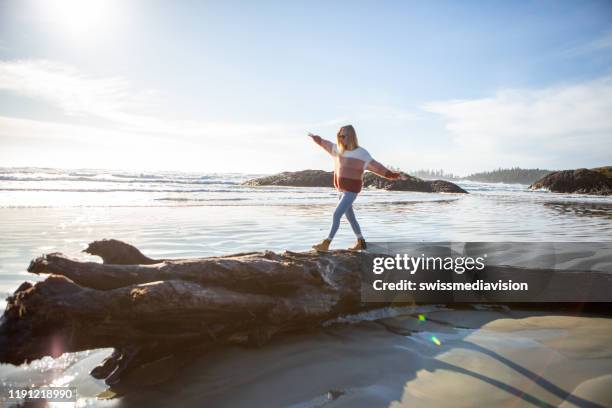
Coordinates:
[484,358]
[453,358]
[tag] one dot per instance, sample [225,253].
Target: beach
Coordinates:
[304,204]
[384,358]
[456,358]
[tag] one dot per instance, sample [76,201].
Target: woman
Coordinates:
[350,161]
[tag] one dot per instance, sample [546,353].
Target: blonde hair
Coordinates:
[349,142]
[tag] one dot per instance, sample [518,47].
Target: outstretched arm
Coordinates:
[325,144]
[376,167]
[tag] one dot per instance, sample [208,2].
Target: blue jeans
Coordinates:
[345,207]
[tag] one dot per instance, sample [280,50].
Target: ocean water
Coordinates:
[170,215]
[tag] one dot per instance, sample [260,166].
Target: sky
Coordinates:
[235,86]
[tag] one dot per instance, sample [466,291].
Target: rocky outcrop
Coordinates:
[303,178]
[320,178]
[579,181]
[411,184]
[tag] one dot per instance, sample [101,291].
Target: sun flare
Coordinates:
[77,17]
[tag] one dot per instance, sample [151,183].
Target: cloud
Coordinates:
[120,125]
[70,90]
[116,101]
[561,126]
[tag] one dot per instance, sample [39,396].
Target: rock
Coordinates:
[579,181]
[411,184]
[443,186]
[320,178]
[303,178]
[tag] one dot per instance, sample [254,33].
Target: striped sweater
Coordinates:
[350,166]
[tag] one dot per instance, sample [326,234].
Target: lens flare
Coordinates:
[78,17]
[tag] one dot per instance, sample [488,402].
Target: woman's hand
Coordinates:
[315,138]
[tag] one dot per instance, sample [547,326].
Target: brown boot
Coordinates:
[322,246]
[359,246]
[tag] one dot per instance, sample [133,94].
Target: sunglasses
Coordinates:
[342,136]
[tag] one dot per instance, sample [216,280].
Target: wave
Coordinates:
[135,176]
[96,179]
[82,174]
[186,199]
[122,190]
[46,175]
[213,203]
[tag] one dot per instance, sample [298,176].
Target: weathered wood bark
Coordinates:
[164,310]
[119,253]
[147,312]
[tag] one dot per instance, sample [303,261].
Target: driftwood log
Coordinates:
[150,309]
[156,313]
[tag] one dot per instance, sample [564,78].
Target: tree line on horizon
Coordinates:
[514,175]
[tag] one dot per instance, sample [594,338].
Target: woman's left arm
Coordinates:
[376,167]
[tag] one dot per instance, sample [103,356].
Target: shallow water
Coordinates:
[182,215]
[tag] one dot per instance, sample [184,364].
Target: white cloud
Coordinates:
[562,126]
[137,129]
[70,90]
[115,100]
